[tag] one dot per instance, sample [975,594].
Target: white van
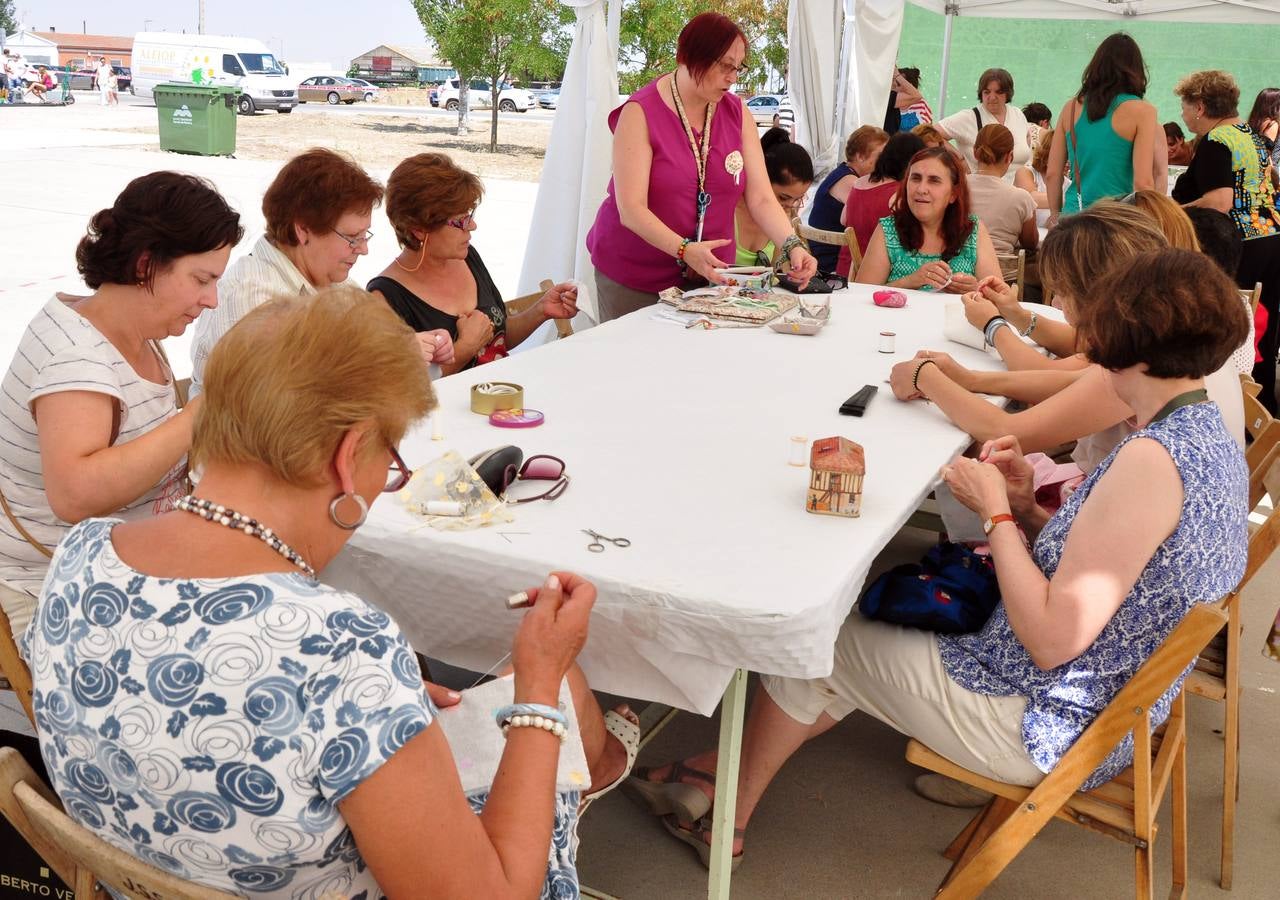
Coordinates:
[160,56]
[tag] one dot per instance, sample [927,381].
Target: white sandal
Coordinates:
[628,734]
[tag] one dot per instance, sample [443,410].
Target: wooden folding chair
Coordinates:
[1124,808]
[1019,263]
[1256,416]
[12,666]
[81,858]
[1217,672]
[1253,297]
[847,237]
[521,304]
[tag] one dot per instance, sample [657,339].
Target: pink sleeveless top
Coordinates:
[629,259]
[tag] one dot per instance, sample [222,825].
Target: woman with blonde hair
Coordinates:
[1169,216]
[209,698]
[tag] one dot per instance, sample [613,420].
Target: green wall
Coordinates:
[1046,57]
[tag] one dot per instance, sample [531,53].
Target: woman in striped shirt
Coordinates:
[90,424]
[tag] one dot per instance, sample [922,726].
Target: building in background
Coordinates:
[391,64]
[64,48]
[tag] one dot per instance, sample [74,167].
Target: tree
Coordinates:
[491,39]
[8,18]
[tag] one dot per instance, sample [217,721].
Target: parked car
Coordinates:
[370,90]
[331,89]
[763,107]
[434,95]
[548,99]
[124,78]
[510,99]
[248,64]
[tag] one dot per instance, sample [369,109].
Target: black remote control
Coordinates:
[857,404]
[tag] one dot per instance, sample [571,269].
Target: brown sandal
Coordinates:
[672,796]
[699,838]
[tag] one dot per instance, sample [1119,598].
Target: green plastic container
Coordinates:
[197,118]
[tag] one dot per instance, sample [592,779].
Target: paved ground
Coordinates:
[841,821]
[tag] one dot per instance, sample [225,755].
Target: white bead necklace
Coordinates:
[216,512]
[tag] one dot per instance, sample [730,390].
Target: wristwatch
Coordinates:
[989,524]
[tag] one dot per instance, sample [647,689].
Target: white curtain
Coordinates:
[576,170]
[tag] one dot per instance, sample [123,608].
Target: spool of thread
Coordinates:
[799,444]
[518,600]
[436,433]
[888,340]
[444,508]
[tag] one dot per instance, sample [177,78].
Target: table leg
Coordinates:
[722,815]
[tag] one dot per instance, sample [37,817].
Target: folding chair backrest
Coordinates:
[1256,416]
[847,238]
[1129,709]
[73,850]
[517,305]
[1019,263]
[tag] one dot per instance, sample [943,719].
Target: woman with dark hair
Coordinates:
[871,198]
[1232,173]
[1159,526]
[1175,141]
[1264,118]
[1107,135]
[790,171]
[683,156]
[318,210]
[995,93]
[90,420]
[931,242]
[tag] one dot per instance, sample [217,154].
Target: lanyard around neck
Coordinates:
[700,154]
[1187,398]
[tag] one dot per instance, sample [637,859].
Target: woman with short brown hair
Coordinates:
[861,151]
[995,105]
[438,283]
[318,210]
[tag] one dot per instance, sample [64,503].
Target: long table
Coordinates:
[678,440]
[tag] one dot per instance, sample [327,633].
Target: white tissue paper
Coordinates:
[955,327]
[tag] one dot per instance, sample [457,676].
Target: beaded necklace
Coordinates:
[700,154]
[216,512]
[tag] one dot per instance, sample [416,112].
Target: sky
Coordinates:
[312,31]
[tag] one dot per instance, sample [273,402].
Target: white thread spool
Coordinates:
[444,508]
[436,433]
[799,444]
[888,339]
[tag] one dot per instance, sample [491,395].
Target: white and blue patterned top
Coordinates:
[1201,561]
[212,726]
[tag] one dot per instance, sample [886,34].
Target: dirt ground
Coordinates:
[383,141]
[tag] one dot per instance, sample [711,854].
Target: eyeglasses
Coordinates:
[355,240]
[535,468]
[398,474]
[738,71]
[463,222]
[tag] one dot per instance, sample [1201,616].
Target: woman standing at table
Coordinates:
[683,155]
[299,745]
[995,93]
[931,242]
[1108,137]
[1231,172]
[1160,526]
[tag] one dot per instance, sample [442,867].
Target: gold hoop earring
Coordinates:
[359,501]
[422,255]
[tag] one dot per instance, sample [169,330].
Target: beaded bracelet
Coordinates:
[1032,326]
[509,712]
[915,379]
[556,728]
[683,245]
[791,243]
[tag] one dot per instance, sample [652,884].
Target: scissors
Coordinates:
[598,541]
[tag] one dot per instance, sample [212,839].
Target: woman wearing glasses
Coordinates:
[439,282]
[210,707]
[684,155]
[318,210]
[790,171]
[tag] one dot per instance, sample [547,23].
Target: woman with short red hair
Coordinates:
[931,242]
[683,155]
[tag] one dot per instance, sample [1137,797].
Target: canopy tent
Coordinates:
[856,41]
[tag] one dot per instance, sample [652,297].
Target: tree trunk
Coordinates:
[464,104]
[495,96]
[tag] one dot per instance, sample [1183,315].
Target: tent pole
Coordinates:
[946,61]
[840,120]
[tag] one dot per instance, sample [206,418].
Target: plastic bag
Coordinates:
[451,480]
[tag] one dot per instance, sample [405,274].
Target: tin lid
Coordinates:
[516,418]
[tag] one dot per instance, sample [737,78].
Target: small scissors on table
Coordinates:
[598,541]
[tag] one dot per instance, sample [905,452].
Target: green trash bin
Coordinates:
[197,118]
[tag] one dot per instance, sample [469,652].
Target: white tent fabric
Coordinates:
[579,157]
[1222,12]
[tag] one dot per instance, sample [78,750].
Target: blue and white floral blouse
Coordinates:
[1201,561]
[211,727]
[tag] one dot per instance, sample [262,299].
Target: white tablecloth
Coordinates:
[677,439]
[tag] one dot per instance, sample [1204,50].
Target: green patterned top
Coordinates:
[1234,156]
[903,262]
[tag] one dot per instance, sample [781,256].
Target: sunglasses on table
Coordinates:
[528,483]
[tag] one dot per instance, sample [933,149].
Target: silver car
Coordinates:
[329,89]
[763,107]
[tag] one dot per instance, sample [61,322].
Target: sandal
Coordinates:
[699,838]
[628,734]
[673,795]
